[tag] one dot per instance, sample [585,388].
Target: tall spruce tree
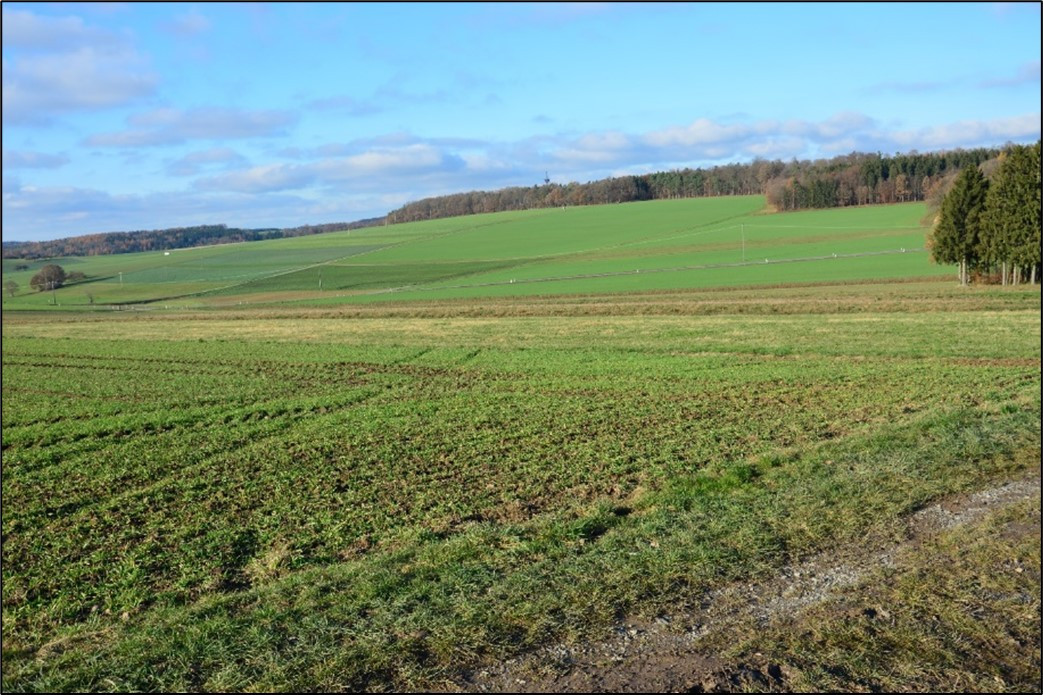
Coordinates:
[956,237]
[1011,220]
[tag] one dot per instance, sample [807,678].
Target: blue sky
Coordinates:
[143,116]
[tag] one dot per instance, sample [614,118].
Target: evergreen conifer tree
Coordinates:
[1011,220]
[956,237]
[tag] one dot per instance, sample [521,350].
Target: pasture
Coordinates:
[384,495]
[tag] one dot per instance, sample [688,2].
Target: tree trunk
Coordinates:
[1003,274]
[1033,273]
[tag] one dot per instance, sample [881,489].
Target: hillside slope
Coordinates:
[656,245]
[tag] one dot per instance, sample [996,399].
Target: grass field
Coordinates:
[374,496]
[660,245]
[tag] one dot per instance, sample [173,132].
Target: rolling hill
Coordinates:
[654,245]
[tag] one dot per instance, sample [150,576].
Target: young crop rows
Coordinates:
[230,507]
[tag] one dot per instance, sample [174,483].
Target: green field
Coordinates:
[634,247]
[380,459]
[377,496]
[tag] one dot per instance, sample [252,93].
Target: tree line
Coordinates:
[852,179]
[164,239]
[989,221]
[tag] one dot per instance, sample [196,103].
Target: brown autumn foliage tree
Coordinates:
[50,277]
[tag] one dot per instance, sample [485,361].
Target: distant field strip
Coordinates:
[421,288]
[342,276]
[629,247]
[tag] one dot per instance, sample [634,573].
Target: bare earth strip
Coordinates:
[668,654]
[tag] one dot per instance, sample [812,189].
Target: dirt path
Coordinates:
[663,655]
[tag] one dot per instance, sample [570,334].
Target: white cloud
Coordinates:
[595,148]
[702,131]
[64,65]
[705,142]
[969,133]
[38,88]
[173,126]
[417,158]
[259,179]
[371,168]
[25,30]
[842,124]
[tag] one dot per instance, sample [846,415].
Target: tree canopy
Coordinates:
[164,239]
[1011,219]
[50,277]
[957,236]
[993,225]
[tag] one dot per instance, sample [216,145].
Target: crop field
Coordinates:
[635,247]
[385,496]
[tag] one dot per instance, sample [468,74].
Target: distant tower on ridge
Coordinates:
[546,178]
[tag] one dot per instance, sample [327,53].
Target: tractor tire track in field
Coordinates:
[665,655]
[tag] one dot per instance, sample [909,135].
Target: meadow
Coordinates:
[633,247]
[383,496]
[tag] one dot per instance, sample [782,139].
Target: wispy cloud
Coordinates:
[347,105]
[385,98]
[194,162]
[540,14]
[30,31]
[14,159]
[910,87]
[173,126]
[186,25]
[373,167]
[1026,74]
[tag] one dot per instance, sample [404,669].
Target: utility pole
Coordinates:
[320,278]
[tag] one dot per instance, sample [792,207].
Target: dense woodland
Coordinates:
[989,221]
[163,239]
[852,179]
